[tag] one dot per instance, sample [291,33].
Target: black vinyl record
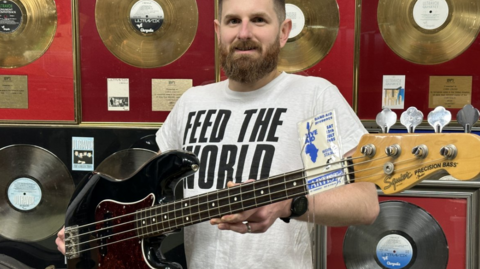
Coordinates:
[403,236]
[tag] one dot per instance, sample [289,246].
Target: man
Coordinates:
[245,128]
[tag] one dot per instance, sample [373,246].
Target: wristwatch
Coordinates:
[299,207]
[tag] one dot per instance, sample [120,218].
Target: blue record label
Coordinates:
[394,251]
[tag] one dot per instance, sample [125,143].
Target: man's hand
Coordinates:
[60,241]
[258,219]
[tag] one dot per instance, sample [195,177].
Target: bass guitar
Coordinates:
[119,215]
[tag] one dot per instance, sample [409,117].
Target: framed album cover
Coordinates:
[446,211]
[138,56]
[37,62]
[417,53]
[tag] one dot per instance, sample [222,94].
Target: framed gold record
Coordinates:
[27,29]
[147,33]
[315,26]
[428,32]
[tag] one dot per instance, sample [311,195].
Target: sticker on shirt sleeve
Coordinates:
[321,153]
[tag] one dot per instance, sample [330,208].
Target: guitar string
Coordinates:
[210,193]
[191,222]
[198,205]
[175,227]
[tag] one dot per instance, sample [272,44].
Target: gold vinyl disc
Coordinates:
[147,33]
[314,31]
[36,187]
[27,29]
[428,32]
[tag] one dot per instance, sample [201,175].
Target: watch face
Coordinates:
[299,206]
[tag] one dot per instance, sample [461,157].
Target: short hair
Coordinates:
[278,6]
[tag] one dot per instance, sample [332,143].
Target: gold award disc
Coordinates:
[147,33]
[314,31]
[36,187]
[428,31]
[27,29]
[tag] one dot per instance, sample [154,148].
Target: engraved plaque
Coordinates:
[450,91]
[14,92]
[165,92]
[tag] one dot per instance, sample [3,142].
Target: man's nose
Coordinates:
[245,31]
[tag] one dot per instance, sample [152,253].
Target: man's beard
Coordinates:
[244,68]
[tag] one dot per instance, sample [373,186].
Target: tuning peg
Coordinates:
[467,117]
[439,118]
[411,118]
[386,119]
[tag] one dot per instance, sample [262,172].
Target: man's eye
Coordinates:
[233,21]
[258,20]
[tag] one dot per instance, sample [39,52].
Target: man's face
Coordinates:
[249,39]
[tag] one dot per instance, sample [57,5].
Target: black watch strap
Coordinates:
[298,207]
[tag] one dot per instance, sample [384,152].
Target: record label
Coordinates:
[10,16]
[24,194]
[147,16]
[394,251]
[429,14]
[294,13]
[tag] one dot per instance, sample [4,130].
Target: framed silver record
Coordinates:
[452,206]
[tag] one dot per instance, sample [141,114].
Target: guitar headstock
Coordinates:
[396,162]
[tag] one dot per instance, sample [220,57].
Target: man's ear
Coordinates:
[216,24]
[285,29]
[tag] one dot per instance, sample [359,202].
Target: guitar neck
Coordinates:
[167,217]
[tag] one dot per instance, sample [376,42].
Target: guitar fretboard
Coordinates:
[167,217]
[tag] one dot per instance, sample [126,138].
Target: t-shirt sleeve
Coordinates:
[349,125]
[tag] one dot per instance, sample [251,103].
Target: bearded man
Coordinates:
[245,128]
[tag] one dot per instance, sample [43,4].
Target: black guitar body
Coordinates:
[100,220]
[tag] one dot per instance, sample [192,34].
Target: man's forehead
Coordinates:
[253,6]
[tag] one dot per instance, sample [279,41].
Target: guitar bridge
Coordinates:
[72,246]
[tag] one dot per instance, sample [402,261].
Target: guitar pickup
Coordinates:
[105,232]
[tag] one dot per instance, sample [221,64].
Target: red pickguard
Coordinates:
[128,253]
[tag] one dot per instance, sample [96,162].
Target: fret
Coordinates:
[169,216]
[235,199]
[195,210]
[213,206]
[186,211]
[277,188]
[161,216]
[148,221]
[203,207]
[247,196]
[177,212]
[144,224]
[223,202]
[138,223]
[156,219]
[262,192]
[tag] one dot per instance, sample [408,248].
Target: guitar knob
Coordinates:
[393,150]
[420,151]
[368,150]
[449,151]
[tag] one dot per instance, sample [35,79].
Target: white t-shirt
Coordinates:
[251,135]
